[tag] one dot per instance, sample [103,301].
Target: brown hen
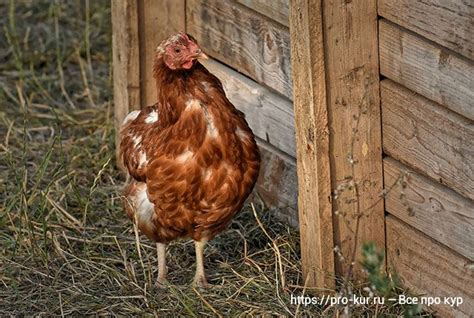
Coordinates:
[192,156]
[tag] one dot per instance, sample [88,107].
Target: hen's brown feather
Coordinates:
[197,163]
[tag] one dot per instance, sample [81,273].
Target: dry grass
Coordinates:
[66,246]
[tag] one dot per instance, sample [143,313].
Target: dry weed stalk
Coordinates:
[352,186]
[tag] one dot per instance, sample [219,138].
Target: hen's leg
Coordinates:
[200,277]
[162,269]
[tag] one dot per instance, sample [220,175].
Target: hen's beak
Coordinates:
[203,56]
[200,55]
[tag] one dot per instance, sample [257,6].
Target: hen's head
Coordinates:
[180,51]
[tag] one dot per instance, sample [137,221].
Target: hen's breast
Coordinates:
[201,170]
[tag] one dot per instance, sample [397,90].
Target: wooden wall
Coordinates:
[427,101]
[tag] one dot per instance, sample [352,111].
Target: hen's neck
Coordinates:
[173,87]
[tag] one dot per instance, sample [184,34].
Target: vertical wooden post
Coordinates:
[338,132]
[158,20]
[352,81]
[126,62]
[312,138]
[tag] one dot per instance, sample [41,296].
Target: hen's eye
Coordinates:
[177,50]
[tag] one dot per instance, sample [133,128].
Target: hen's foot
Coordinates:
[200,282]
[161,282]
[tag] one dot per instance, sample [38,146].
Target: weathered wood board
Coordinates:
[269,114]
[430,207]
[352,79]
[242,39]
[312,137]
[449,23]
[427,68]
[430,269]
[428,137]
[158,20]
[277,184]
[277,10]
[126,61]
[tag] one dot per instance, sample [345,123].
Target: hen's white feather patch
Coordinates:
[152,117]
[193,104]
[142,159]
[136,140]
[205,85]
[131,116]
[241,133]
[207,174]
[144,208]
[211,127]
[185,156]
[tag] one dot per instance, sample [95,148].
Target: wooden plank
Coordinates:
[448,23]
[430,269]
[431,208]
[312,139]
[158,20]
[126,67]
[427,69]
[277,184]
[277,10]
[269,114]
[428,138]
[352,79]
[243,39]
